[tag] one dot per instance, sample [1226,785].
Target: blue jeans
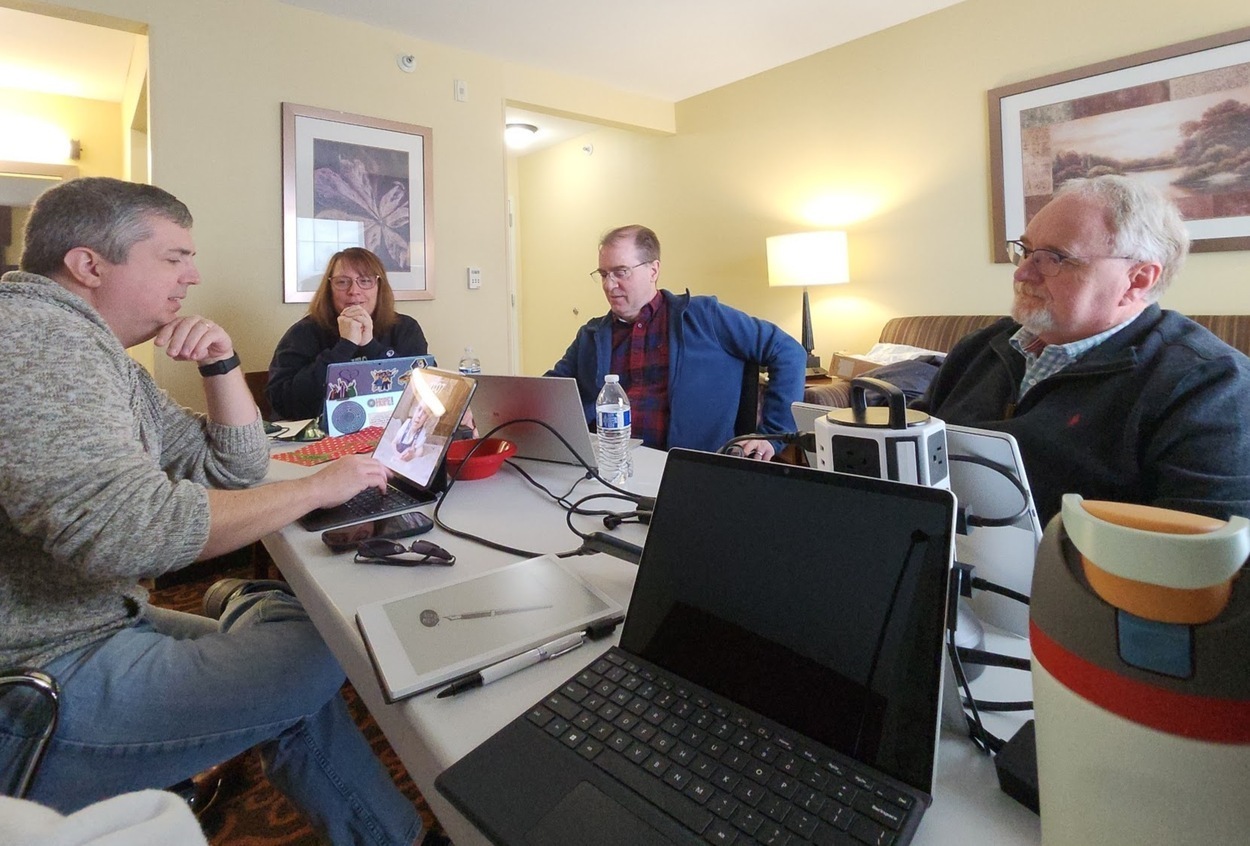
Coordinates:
[162,700]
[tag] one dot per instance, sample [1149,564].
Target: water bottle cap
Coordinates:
[611,377]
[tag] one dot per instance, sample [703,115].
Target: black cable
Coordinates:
[1009,474]
[992,705]
[577,509]
[980,735]
[978,582]
[502,547]
[559,499]
[993,659]
[641,500]
[638,500]
[962,584]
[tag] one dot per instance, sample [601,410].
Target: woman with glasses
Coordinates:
[351,317]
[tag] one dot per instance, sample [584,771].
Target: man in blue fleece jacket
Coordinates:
[681,358]
[1109,396]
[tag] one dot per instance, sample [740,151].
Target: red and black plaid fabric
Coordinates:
[640,358]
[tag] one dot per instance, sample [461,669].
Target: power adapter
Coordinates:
[1016,764]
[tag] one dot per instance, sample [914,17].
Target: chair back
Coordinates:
[257,382]
[34,697]
[747,419]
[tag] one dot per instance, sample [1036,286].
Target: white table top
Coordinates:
[429,734]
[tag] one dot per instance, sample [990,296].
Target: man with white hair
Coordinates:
[1108,395]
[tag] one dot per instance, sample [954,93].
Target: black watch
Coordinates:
[217,368]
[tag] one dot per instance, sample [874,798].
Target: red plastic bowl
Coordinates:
[485,461]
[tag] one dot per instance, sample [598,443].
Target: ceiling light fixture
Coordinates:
[519,135]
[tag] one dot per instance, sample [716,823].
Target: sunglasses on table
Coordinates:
[421,553]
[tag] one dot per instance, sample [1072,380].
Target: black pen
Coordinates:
[516,663]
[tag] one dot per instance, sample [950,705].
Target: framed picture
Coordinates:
[1178,117]
[353,181]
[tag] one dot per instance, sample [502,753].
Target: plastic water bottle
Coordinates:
[612,420]
[469,363]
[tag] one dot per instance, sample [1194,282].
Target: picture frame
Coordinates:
[355,181]
[1174,116]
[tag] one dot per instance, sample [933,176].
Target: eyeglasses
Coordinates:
[618,274]
[378,551]
[1049,262]
[342,283]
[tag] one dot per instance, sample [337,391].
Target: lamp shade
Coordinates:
[808,258]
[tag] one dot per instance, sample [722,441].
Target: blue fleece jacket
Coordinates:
[710,345]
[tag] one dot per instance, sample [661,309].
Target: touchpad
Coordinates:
[587,815]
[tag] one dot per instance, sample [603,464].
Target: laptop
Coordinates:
[552,399]
[413,445]
[363,393]
[1004,554]
[779,674]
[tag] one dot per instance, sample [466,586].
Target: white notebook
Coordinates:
[426,639]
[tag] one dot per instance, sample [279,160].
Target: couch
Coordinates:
[940,332]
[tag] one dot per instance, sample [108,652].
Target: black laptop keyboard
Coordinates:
[726,778]
[367,504]
[371,502]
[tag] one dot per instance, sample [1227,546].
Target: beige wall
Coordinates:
[93,122]
[219,72]
[886,136]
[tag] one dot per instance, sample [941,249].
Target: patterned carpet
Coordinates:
[250,812]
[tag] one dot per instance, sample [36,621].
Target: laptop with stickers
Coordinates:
[360,394]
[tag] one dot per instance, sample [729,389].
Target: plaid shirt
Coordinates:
[1042,360]
[640,358]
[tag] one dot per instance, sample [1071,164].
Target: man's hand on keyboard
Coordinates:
[345,477]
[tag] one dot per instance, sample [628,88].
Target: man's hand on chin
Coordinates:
[194,338]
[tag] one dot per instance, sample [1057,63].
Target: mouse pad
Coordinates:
[586,815]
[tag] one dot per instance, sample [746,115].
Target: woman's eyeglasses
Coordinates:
[421,553]
[342,283]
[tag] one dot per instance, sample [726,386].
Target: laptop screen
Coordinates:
[833,626]
[417,435]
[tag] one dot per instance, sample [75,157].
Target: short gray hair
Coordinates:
[1147,225]
[106,215]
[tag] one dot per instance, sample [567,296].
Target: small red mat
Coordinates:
[328,449]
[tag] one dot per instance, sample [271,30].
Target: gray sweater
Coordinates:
[102,475]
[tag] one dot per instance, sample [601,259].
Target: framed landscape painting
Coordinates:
[1177,117]
[353,181]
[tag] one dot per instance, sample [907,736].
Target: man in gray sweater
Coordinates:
[106,480]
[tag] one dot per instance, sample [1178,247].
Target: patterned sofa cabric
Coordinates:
[940,332]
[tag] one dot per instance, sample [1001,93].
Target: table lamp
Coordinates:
[808,258]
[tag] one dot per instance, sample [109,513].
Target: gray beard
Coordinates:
[1037,320]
